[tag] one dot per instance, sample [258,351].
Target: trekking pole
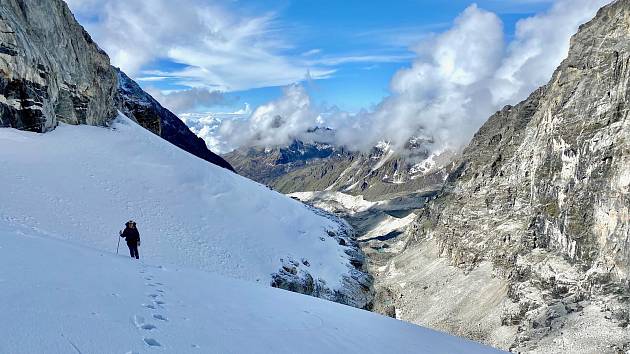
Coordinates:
[118,244]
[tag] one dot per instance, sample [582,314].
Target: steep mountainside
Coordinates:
[376,175]
[528,244]
[149,113]
[190,213]
[51,71]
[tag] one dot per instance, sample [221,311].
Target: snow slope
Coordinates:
[81,183]
[59,297]
[332,201]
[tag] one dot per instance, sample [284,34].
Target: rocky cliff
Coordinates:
[527,246]
[50,69]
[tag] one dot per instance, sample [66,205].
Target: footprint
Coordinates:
[160,291]
[149,306]
[138,320]
[159,302]
[158,283]
[140,323]
[152,342]
[153,296]
[160,317]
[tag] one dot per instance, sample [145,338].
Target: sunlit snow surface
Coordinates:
[58,297]
[82,183]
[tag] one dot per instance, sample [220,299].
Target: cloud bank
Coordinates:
[443,90]
[456,81]
[276,123]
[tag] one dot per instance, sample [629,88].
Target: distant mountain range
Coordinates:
[379,174]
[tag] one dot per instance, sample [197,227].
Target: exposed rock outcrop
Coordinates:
[356,286]
[540,201]
[50,69]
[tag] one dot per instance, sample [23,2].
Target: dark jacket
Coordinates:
[131,235]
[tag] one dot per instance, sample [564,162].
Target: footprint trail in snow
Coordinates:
[154,306]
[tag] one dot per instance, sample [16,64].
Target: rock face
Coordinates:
[149,113]
[532,227]
[50,69]
[356,287]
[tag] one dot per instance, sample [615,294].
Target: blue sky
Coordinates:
[351,49]
[364,28]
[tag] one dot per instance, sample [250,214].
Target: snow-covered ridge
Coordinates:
[81,183]
[323,199]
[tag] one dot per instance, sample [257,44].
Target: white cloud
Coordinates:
[219,49]
[400,36]
[311,52]
[275,123]
[465,74]
[457,80]
[207,126]
[375,58]
[444,94]
[188,100]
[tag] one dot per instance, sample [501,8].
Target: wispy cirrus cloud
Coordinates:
[376,58]
[218,47]
[208,45]
[182,101]
[401,36]
[214,47]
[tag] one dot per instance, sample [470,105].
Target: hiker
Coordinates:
[132,236]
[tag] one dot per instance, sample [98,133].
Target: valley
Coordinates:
[480,203]
[519,241]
